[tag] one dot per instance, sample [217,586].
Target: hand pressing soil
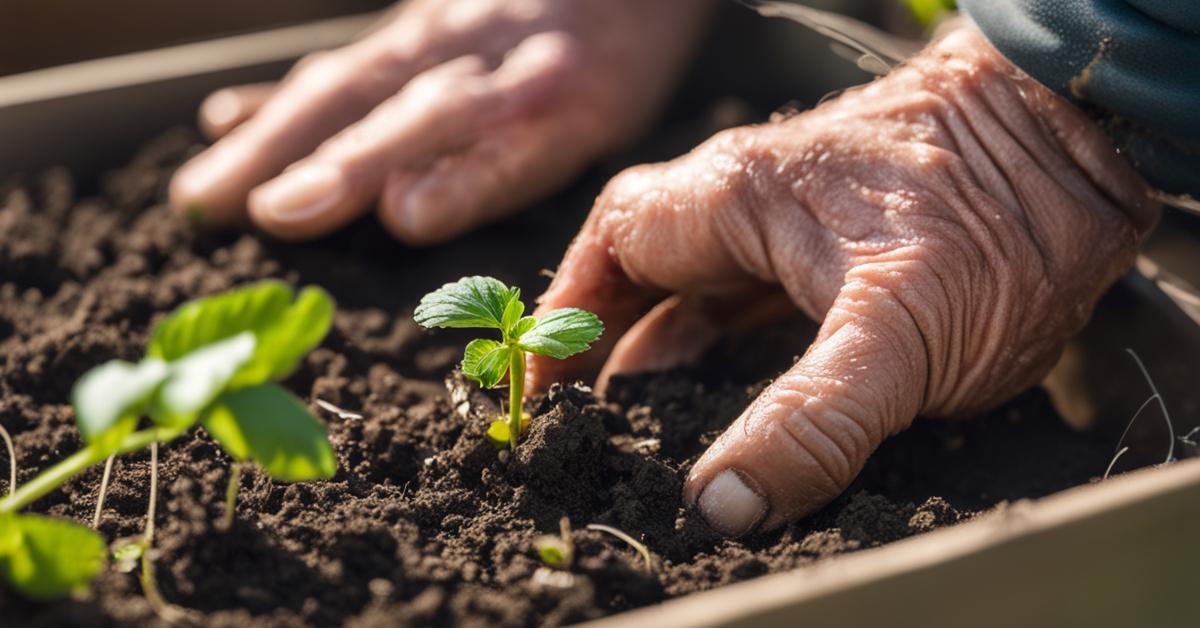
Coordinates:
[423,522]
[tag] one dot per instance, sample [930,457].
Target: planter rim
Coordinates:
[280,44]
[748,601]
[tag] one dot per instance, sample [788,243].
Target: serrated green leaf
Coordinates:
[282,344]
[198,377]
[201,322]
[562,333]
[268,425]
[112,391]
[477,302]
[46,558]
[486,361]
[285,330]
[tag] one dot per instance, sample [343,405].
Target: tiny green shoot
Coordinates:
[487,303]
[12,459]
[557,552]
[928,12]
[634,543]
[213,361]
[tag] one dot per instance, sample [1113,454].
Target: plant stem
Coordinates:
[12,460]
[108,465]
[516,394]
[148,581]
[235,479]
[51,478]
[151,511]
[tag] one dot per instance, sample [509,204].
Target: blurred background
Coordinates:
[42,33]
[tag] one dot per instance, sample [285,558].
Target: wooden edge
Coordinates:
[865,576]
[184,60]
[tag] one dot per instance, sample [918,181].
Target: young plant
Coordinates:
[213,361]
[557,552]
[486,303]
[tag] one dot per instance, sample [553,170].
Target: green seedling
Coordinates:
[213,361]
[486,303]
[557,552]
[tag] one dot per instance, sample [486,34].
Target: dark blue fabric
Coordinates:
[1135,64]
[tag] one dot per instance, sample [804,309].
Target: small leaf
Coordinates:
[46,558]
[478,302]
[127,551]
[552,551]
[265,423]
[486,361]
[197,379]
[113,390]
[512,314]
[525,324]
[201,322]
[498,433]
[562,333]
[281,345]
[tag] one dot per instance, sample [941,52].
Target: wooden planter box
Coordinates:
[1120,552]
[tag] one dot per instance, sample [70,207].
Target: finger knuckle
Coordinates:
[827,429]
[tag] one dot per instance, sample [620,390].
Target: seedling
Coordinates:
[213,361]
[486,303]
[558,552]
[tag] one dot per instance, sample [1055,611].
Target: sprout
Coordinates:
[213,361]
[557,552]
[486,303]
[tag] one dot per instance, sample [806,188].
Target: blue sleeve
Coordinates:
[1133,64]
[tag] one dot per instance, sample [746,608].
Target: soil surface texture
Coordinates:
[424,523]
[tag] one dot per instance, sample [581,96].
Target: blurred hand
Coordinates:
[952,224]
[455,113]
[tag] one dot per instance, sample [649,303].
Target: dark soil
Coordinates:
[424,523]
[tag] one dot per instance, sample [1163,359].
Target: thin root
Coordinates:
[108,466]
[1155,396]
[634,543]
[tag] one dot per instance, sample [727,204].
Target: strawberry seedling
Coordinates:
[213,361]
[486,303]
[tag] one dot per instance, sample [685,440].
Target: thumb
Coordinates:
[803,441]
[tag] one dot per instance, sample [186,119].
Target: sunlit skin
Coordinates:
[950,224]
[453,114]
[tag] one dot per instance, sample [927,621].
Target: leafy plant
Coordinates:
[486,303]
[213,361]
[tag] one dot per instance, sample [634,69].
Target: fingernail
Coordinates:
[730,506]
[222,108]
[301,193]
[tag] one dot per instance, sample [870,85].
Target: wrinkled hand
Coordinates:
[952,224]
[455,113]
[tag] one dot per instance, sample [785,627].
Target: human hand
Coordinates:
[952,224]
[455,113]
